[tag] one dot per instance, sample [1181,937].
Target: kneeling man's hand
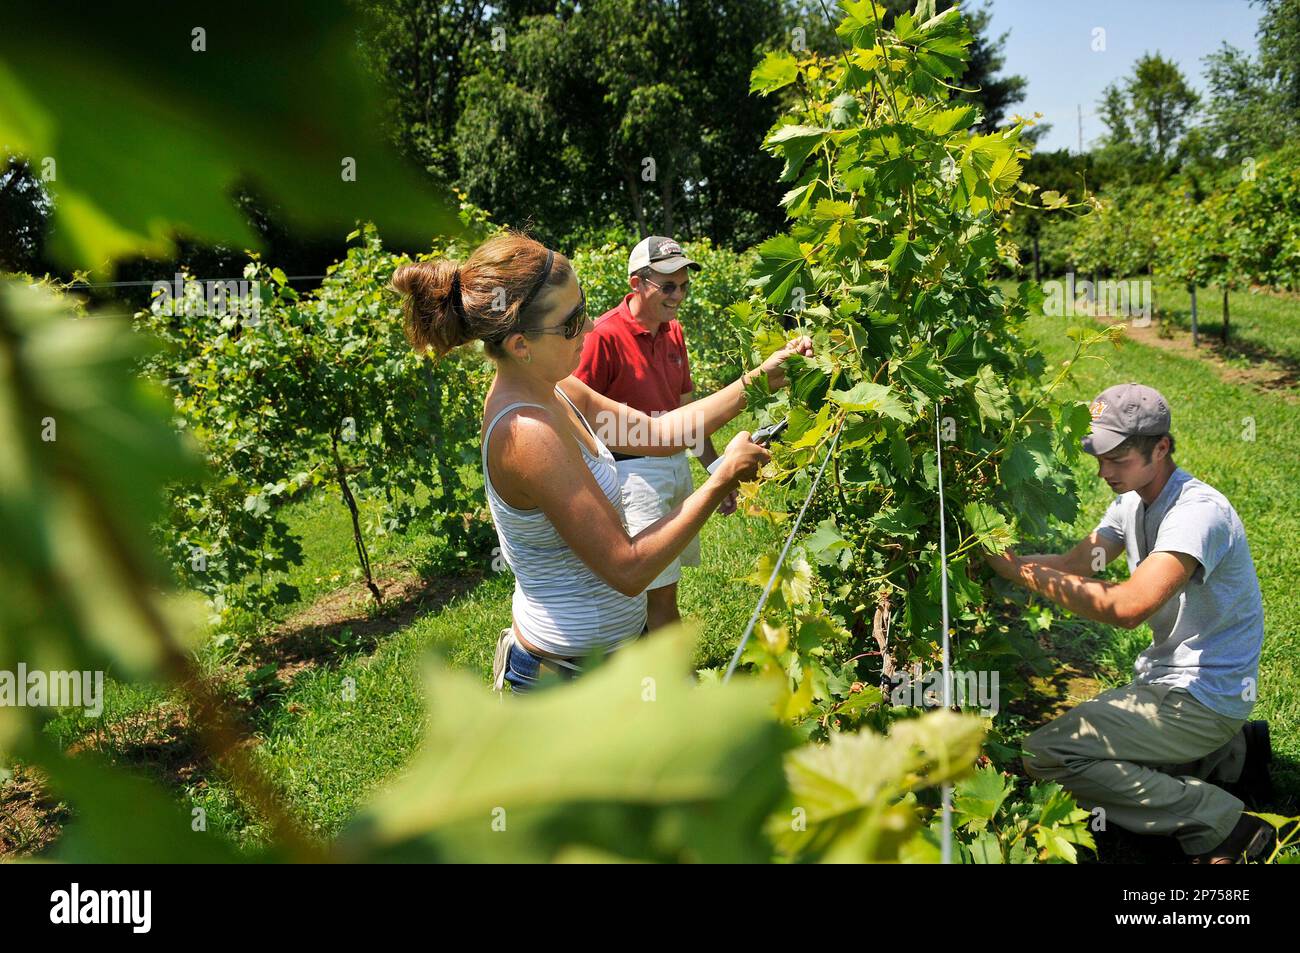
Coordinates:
[1006,563]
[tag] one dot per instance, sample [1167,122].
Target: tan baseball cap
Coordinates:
[1123,411]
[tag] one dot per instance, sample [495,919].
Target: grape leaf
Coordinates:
[688,775]
[876,398]
[776,70]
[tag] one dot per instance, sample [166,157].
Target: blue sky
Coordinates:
[1050,43]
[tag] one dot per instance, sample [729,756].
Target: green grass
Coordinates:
[324,525]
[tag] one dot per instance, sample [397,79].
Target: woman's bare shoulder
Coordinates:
[525,445]
[527,439]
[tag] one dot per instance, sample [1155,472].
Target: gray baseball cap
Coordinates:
[662,254]
[1123,411]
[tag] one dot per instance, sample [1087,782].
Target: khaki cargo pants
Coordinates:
[1146,754]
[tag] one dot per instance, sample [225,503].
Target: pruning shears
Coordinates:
[762,436]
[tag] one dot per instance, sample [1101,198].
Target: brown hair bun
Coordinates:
[447,304]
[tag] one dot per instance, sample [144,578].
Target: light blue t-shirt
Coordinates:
[1207,636]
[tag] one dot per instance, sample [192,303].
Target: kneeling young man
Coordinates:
[1153,753]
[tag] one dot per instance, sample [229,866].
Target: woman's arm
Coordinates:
[624,429]
[627,430]
[535,455]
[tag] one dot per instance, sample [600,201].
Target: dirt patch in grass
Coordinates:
[1056,693]
[1264,371]
[158,740]
[31,820]
[346,622]
[1070,647]
[158,743]
[161,742]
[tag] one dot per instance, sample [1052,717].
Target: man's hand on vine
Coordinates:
[772,366]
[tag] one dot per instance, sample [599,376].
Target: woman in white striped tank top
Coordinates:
[549,475]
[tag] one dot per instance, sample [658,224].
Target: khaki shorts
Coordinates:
[652,487]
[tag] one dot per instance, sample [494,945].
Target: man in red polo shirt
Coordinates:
[636,355]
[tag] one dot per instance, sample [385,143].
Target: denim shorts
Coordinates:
[523,669]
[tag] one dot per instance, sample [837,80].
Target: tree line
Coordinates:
[585,123]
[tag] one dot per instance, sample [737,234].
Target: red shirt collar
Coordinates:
[625,312]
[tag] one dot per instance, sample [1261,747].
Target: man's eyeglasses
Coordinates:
[572,325]
[670,288]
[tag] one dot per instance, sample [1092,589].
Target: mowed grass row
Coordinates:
[1246,444]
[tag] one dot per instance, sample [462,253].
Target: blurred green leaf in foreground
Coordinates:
[144,120]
